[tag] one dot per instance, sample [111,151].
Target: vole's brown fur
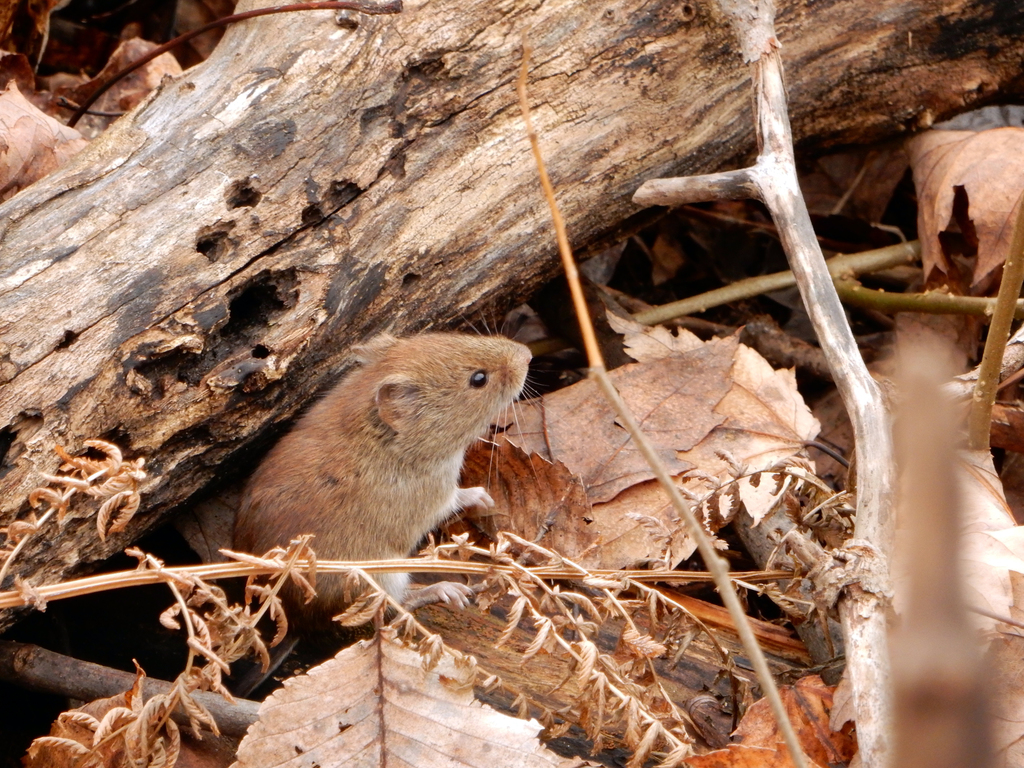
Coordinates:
[374,466]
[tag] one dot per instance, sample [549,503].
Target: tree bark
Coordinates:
[198,273]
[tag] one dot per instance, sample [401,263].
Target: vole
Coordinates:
[374,466]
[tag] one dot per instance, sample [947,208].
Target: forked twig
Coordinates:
[773,180]
[715,563]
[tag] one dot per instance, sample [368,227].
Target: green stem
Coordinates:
[979,422]
[932,302]
[854,263]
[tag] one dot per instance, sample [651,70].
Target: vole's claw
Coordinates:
[473,497]
[448,592]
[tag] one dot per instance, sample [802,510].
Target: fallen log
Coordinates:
[198,273]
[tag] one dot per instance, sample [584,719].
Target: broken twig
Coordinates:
[773,180]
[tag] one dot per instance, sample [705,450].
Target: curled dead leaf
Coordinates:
[989,166]
[32,144]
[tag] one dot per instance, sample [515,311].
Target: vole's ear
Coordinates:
[397,402]
[374,349]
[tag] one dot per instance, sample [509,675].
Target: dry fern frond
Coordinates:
[613,695]
[362,610]
[642,646]
[142,733]
[111,481]
[76,749]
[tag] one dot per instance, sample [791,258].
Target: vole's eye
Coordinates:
[478,379]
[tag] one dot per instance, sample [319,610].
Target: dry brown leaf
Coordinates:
[667,256]
[25,26]
[374,704]
[540,500]
[808,704]
[843,706]
[744,757]
[648,343]
[766,421]
[989,165]
[16,67]
[1006,662]
[862,179]
[672,400]
[695,400]
[32,144]
[637,526]
[762,406]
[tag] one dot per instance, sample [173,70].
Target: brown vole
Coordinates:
[374,466]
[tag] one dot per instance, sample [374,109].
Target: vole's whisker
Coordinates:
[517,420]
[467,322]
[491,470]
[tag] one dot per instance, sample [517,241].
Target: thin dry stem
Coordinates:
[718,567]
[22,543]
[590,345]
[246,568]
[930,302]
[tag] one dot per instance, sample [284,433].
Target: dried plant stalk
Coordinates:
[716,564]
[252,566]
[773,179]
[935,650]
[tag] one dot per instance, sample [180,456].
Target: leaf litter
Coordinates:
[809,703]
[983,170]
[719,415]
[32,144]
[380,703]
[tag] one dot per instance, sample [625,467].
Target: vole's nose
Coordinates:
[523,356]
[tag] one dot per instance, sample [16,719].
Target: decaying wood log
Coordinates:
[198,273]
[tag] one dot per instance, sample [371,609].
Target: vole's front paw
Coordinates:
[473,497]
[448,592]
